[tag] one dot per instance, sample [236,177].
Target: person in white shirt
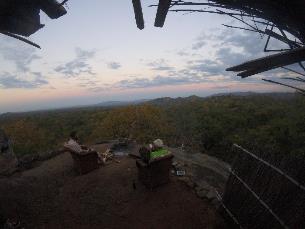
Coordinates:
[73,145]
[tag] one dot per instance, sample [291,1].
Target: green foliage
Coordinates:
[212,125]
[142,123]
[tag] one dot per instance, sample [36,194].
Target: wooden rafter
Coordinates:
[282,38]
[162,11]
[20,38]
[269,62]
[138,13]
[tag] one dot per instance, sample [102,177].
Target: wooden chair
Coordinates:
[155,172]
[84,163]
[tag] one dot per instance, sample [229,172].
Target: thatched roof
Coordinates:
[287,15]
[282,20]
[21,17]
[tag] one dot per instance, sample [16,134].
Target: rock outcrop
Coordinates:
[203,173]
[8,160]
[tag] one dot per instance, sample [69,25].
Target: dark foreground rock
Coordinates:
[203,173]
[8,160]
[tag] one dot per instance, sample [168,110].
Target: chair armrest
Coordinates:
[140,163]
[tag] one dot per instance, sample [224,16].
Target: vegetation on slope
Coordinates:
[269,123]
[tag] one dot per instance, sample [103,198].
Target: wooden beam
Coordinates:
[281,38]
[286,85]
[163,8]
[294,71]
[20,38]
[138,13]
[269,62]
[213,12]
[64,2]
[53,9]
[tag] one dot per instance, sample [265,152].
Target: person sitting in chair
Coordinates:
[74,145]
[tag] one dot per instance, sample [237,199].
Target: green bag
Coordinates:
[158,153]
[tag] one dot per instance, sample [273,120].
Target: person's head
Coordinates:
[158,143]
[73,135]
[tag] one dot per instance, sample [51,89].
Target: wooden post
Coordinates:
[138,13]
[163,8]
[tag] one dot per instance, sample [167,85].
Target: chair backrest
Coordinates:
[86,156]
[84,163]
[75,155]
[162,160]
[68,149]
[145,154]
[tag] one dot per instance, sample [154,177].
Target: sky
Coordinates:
[96,53]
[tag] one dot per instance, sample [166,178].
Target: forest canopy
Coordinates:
[273,123]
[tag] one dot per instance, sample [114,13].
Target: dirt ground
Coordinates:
[54,196]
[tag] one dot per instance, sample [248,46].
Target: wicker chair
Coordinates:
[84,163]
[156,172]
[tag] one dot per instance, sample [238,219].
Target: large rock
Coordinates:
[8,160]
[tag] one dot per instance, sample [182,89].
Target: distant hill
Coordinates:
[164,101]
[119,103]
[171,101]
[280,95]
[108,104]
[207,124]
[167,101]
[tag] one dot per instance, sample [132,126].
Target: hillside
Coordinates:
[272,123]
[199,131]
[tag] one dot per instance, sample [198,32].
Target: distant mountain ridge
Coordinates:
[163,101]
[119,103]
[250,93]
[169,100]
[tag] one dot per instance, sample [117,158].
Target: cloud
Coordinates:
[155,82]
[10,81]
[210,67]
[181,77]
[251,43]
[228,57]
[114,65]
[88,83]
[248,42]
[230,48]
[78,65]
[183,53]
[94,85]
[98,89]
[159,65]
[225,87]
[201,41]
[21,55]
[198,45]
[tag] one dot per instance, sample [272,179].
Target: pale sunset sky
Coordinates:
[96,53]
